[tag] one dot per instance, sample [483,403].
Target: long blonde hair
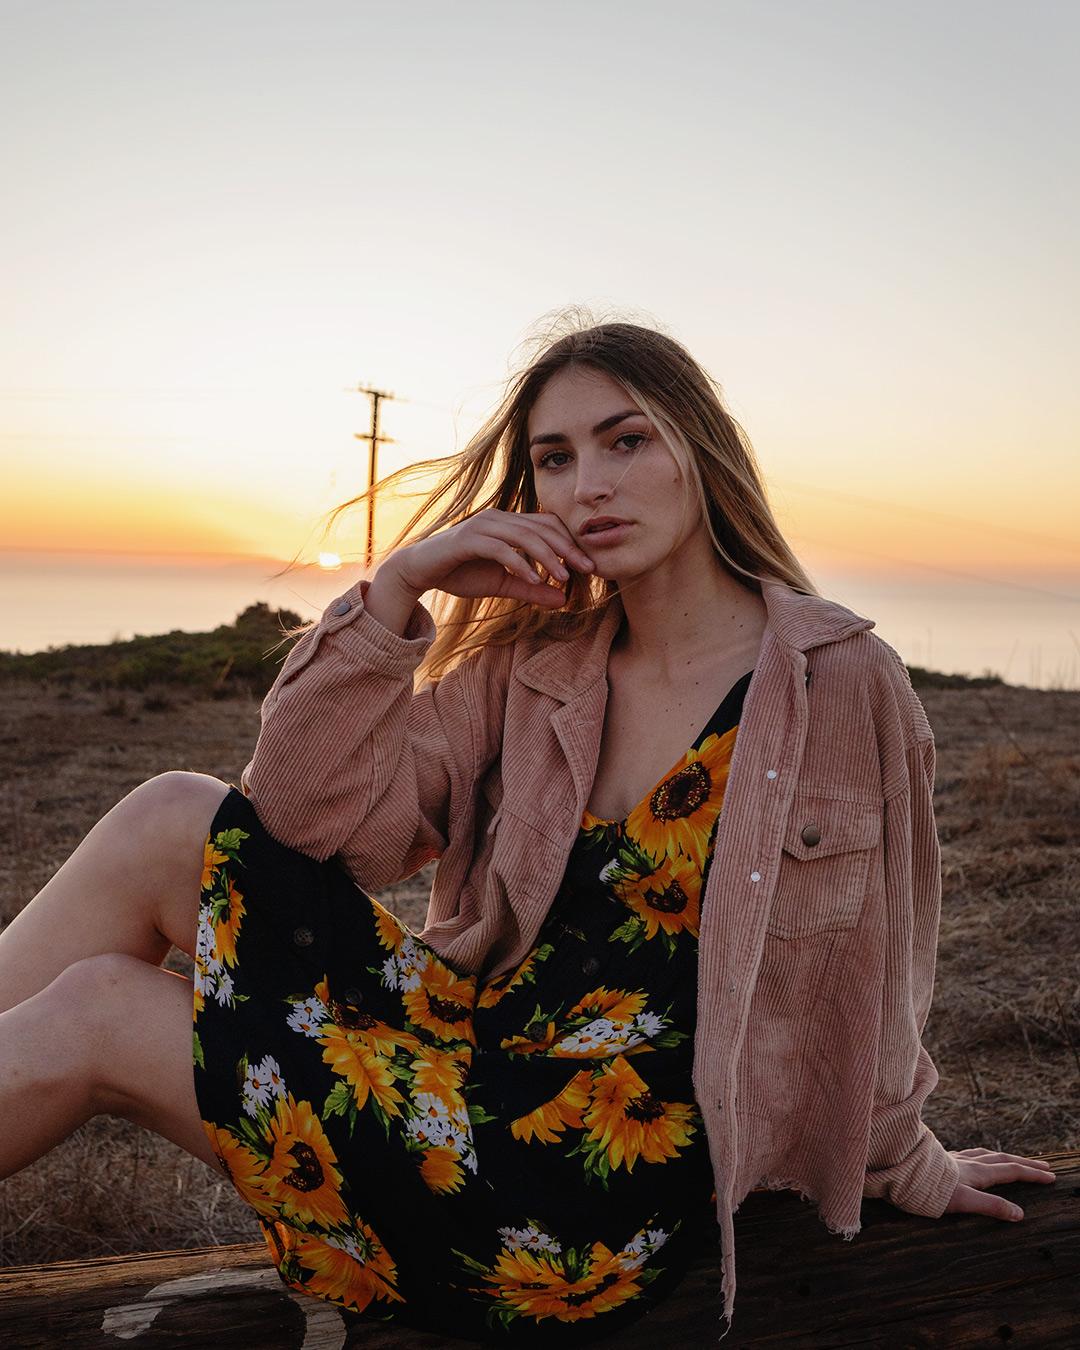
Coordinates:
[686,408]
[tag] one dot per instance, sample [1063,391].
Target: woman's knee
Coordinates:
[87,996]
[169,817]
[112,1003]
[178,795]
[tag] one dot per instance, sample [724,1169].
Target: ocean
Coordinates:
[1027,634]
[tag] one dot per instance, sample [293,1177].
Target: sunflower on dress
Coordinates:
[626,1121]
[525,974]
[536,1276]
[664,897]
[679,813]
[621,1120]
[349,1271]
[603,1022]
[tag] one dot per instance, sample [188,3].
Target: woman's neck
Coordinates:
[686,611]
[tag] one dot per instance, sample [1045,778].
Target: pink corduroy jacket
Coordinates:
[820,918]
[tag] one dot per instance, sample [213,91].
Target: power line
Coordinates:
[945,571]
[879,504]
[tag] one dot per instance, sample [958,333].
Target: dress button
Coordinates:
[590,966]
[353,996]
[755,876]
[342,607]
[810,836]
[303,937]
[770,773]
[537,1032]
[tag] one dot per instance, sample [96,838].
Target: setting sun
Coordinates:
[330,562]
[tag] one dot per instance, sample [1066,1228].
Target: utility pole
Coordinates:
[375,439]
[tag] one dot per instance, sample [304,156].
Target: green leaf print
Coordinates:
[632,859]
[596,1164]
[380,1115]
[633,932]
[228,841]
[576,1264]
[500,1316]
[669,1039]
[253,1138]
[469,1262]
[197,1051]
[478,1116]
[291,1268]
[337,1101]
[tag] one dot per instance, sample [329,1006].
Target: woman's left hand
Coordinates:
[981,1168]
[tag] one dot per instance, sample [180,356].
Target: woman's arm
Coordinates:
[349,760]
[907,1164]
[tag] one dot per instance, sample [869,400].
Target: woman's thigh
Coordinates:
[142,1053]
[132,885]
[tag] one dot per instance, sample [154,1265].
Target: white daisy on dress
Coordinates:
[256,1089]
[269,1069]
[308,1016]
[649,1024]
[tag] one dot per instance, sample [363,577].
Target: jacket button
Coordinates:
[303,937]
[537,1032]
[590,966]
[342,607]
[811,835]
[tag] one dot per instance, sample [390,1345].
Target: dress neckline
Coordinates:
[735,692]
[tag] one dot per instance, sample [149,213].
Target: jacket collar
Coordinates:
[567,668]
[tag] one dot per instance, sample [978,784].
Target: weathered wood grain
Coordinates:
[959,1281]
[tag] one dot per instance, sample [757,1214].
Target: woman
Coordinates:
[632,1002]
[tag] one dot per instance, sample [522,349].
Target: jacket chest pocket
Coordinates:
[825,858]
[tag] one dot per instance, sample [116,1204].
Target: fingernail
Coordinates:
[1016,1214]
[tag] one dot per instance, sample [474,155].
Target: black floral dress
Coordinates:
[511,1161]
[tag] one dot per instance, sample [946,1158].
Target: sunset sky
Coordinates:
[862,218]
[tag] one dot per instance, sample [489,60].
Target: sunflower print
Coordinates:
[426,1146]
[537,1276]
[415,1086]
[620,1118]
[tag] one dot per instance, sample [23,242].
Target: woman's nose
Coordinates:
[591,488]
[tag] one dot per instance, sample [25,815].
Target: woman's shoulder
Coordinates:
[864,666]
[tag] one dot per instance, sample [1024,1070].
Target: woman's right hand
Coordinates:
[488,554]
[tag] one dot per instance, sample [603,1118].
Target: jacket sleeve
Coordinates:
[351,761]
[907,1165]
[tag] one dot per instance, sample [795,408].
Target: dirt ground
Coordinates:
[1004,1029]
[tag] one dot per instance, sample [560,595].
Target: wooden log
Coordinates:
[903,1281]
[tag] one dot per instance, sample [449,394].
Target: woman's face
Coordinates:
[593,453]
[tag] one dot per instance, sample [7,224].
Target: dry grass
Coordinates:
[1004,1030]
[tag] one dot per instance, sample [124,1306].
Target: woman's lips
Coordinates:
[609,534]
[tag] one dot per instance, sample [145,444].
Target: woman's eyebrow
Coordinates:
[554,437]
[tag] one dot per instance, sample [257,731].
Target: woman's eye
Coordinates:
[542,462]
[545,461]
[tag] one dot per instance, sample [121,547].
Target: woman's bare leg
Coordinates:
[111,1035]
[131,886]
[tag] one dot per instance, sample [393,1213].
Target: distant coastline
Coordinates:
[55,598]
